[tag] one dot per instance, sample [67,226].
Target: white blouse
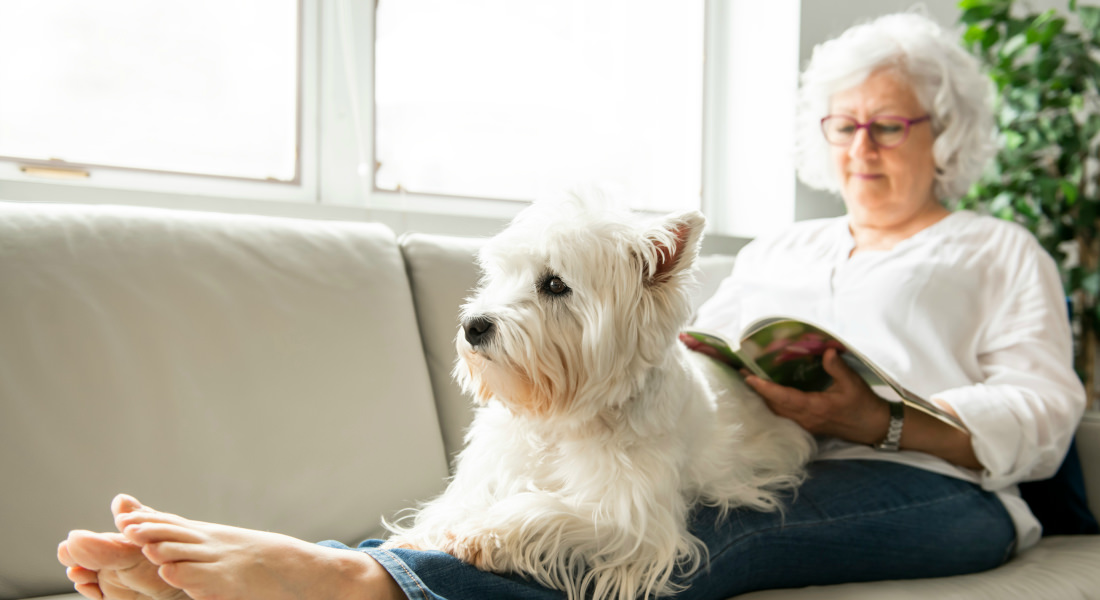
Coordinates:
[969,312]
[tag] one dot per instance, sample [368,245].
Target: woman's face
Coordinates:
[884,187]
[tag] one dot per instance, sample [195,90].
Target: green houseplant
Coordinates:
[1046,174]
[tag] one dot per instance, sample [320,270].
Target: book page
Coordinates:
[790,353]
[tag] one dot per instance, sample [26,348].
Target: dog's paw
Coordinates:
[395,543]
[478,550]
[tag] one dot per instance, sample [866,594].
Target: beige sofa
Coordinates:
[277,374]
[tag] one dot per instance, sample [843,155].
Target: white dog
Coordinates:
[597,431]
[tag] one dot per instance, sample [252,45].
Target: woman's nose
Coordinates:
[862,144]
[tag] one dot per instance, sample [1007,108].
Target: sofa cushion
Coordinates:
[1060,503]
[1058,567]
[255,371]
[442,272]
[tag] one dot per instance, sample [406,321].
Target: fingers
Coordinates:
[835,366]
[777,396]
[783,401]
[697,346]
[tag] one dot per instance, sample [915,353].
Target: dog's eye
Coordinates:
[554,286]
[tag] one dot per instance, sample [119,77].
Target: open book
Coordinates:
[789,352]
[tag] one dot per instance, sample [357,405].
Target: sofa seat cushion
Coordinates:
[255,371]
[1063,567]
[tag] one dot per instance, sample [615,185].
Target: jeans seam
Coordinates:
[782,526]
[410,577]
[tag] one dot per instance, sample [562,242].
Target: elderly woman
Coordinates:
[966,310]
[963,309]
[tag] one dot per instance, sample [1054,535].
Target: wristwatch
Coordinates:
[893,433]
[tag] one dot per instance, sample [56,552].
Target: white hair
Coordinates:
[947,81]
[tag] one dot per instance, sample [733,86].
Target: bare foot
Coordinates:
[107,566]
[211,561]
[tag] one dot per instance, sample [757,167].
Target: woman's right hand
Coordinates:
[697,346]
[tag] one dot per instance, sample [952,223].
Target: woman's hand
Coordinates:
[848,409]
[697,346]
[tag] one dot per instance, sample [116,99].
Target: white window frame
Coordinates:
[336,153]
[347,16]
[165,185]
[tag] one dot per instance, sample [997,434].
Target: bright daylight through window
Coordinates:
[201,87]
[510,100]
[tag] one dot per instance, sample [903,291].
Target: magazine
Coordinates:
[789,352]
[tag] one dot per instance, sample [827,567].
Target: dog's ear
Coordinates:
[675,245]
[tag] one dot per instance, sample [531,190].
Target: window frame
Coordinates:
[89,176]
[336,148]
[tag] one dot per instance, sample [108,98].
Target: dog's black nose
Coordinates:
[478,330]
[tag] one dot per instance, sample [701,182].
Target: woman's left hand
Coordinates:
[848,409]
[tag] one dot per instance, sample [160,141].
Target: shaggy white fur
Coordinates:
[597,430]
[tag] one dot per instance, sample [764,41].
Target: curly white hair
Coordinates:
[947,81]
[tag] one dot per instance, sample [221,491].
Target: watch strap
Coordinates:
[892,442]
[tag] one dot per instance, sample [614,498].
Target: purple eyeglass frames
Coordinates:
[886,131]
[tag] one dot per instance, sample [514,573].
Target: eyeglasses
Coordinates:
[886,131]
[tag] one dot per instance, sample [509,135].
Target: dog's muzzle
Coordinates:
[478,330]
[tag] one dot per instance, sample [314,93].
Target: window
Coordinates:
[509,100]
[203,87]
[418,113]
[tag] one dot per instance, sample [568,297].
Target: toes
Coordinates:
[63,555]
[90,590]
[98,551]
[195,577]
[124,503]
[162,553]
[147,515]
[81,576]
[164,543]
[128,510]
[178,575]
[148,533]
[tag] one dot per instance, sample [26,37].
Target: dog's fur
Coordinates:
[597,431]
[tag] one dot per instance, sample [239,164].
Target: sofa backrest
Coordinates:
[443,272]
[261,372]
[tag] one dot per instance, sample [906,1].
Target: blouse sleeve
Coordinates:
[1024,413]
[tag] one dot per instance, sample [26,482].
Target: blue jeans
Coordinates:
[852,520]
